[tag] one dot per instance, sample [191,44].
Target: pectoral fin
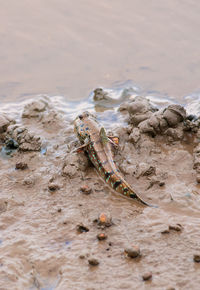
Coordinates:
[81,148]
[114,140]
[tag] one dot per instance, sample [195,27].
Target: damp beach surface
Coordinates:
[135,65]
[62,227]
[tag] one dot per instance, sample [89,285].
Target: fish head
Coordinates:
[82,125]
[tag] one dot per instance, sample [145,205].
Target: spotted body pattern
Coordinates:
[99,149]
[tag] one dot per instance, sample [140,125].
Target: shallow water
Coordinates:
[68,48]
[62,50]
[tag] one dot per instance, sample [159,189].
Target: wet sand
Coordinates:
[69,48]
[49,222]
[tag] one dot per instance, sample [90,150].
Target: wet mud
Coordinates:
[62,227]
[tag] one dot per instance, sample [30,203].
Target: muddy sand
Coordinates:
[62,227]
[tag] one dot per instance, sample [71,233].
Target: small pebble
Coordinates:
[21,165]
[196,258]
[198,178]
[93,262]
[82,229]
[161,183]
[86,189]
[53,186]
[104,220]
[60,209]
[147,276]
[82,257]
[132,252]
[177,227]
[101,236]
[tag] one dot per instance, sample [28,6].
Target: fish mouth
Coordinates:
[84,115]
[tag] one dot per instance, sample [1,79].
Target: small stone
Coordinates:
[82,257]
[53,186]
[161,183]
[177,227]
[93,262]
[82,229]
[104,220]
[60,209]
[196,258]
[101,236]
[86,189]
[132,252]
[198,178]
[21,165]
[147,276]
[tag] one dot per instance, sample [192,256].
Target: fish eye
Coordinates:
[80,117]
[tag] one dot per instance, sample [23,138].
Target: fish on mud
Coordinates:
[98,146]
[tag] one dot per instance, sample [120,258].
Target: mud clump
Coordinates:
[35,108]
[85,189]
[101,95]
[93,262]
[135,135]
[81,228]
[29,181]
[21,165]
[26,140]
[139,110]
[74,164]
[160,121]
[5,121]
[174,114]
[151,121]
[196,258]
